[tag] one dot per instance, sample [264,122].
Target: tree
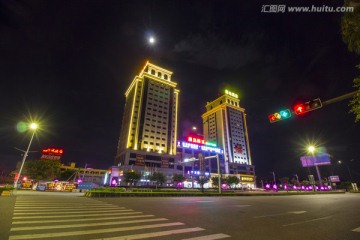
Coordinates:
[215,181]
[284,180]
[43,169]
[177,178]
[232,180]
[157,177]
[67,174]
[202,180]
[355,102]
[294,181]
[131,177]
[305,182]
[350,29]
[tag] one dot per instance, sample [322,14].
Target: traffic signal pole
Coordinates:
[340,98]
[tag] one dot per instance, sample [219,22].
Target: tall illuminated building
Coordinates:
[149,125]
[224,123]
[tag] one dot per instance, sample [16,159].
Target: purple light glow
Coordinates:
[267,186]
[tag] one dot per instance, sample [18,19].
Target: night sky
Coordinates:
[67,64]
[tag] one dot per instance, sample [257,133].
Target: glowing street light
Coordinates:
[152,40]
[311,149]
[32,126]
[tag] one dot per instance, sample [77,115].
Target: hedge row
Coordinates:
[197,194]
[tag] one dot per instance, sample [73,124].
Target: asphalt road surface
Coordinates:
[38,215]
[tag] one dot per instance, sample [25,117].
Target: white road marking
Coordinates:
[93,231]
[280,214]
[271,215]
[67,206]
[63,209]
[209,237]
[82,219]
[62,212]
[356,229]
[154,234]
[298,212]
[307,221]
[77,215]
[86,224]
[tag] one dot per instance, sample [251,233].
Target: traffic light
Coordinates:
[283,114]
[307,107]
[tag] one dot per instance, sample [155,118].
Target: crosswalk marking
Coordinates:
[209,237]
[62,209]
[82,220]
[154,234]
[49,219]
[97,231]
[86,224]
[307,221]
[77,215]
[62,212]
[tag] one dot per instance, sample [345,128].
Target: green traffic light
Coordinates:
[285,113]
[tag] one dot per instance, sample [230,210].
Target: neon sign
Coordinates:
[53,151]
[199,147]
[231,94]
[196,140]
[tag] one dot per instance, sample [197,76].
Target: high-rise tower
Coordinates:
[224,123]
[150,116]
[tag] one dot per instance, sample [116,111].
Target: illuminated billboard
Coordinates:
[199,147]
[316,160]
[52,153]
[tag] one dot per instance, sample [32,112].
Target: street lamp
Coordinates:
[347,166]
[152,40]
[33,126]
[312,150]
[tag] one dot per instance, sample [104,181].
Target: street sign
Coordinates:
[334,179]
[311,179]
[316,160]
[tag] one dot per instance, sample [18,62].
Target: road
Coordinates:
[34,215]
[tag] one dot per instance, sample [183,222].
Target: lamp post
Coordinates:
[218,166]
[273,173]
[347,166]
[312,149]
[33,126]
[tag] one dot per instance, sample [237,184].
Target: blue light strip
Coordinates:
[200,147]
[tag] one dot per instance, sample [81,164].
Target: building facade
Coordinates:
[224,124]
[149,125]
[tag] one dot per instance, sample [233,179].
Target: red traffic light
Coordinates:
[272,118]
[307,107]
[299,109]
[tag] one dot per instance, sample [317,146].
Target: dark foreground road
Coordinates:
[67,216]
